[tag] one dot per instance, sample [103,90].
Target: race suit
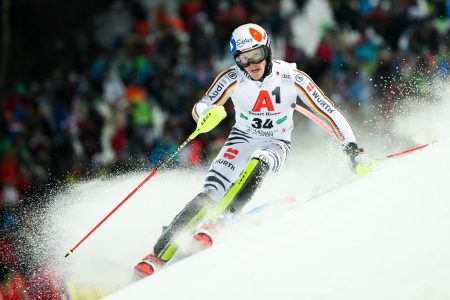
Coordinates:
[263,115]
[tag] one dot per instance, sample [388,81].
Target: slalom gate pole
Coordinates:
[209,120]
[329,130]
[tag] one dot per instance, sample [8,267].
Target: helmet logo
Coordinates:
[233,45]
[255,34]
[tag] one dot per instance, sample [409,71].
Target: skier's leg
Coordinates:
[232,202]
[188,218]
[224,170]
[165,246]
[198,207]
[267,159]
[249,187]
[232,165]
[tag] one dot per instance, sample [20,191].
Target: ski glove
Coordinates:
[361,163]
[211,118]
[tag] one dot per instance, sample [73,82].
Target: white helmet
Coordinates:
[247,37]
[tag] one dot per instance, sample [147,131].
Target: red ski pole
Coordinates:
[129,196]
[208,121]
[404,152]
[329,130]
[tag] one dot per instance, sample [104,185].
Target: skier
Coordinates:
[262,91]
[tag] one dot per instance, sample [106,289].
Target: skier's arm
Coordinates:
[313,97]
[362,164]
[218,93]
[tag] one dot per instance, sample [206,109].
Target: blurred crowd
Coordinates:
[130,105]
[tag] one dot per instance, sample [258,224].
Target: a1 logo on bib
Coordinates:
[263,101]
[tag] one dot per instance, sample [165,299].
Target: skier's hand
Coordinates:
[211,118]
[362,164]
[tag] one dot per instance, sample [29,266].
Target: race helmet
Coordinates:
[250,43]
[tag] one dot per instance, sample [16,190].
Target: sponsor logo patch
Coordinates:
[256,34]
[279,121]
[263,101]
[310,87]
[232,75]
[299,78]
[226,164]
[243,116]
[230,153]
[322,102]
[233,45]
[219,87]
[240,43]
[259,132]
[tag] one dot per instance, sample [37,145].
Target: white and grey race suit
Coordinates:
[263,115]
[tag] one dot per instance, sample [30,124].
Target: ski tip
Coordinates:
[69,253]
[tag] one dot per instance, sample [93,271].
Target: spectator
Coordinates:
[105,107]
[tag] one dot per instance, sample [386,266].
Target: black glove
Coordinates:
[361,164]
[352,150]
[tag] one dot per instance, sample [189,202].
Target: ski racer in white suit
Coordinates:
[262,91]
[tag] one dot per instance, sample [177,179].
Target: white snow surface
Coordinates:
[383,236]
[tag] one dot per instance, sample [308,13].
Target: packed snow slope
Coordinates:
[384,236]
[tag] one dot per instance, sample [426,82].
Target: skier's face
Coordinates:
[256,71]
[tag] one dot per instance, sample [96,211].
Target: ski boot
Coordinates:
[204,236]
[149,264]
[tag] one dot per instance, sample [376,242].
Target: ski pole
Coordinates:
[403,152]
[208,121]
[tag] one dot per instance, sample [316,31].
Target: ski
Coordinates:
[277,203]
[254,216]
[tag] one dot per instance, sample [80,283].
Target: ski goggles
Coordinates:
[254,56]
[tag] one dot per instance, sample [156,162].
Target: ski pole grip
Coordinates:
[209,120]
